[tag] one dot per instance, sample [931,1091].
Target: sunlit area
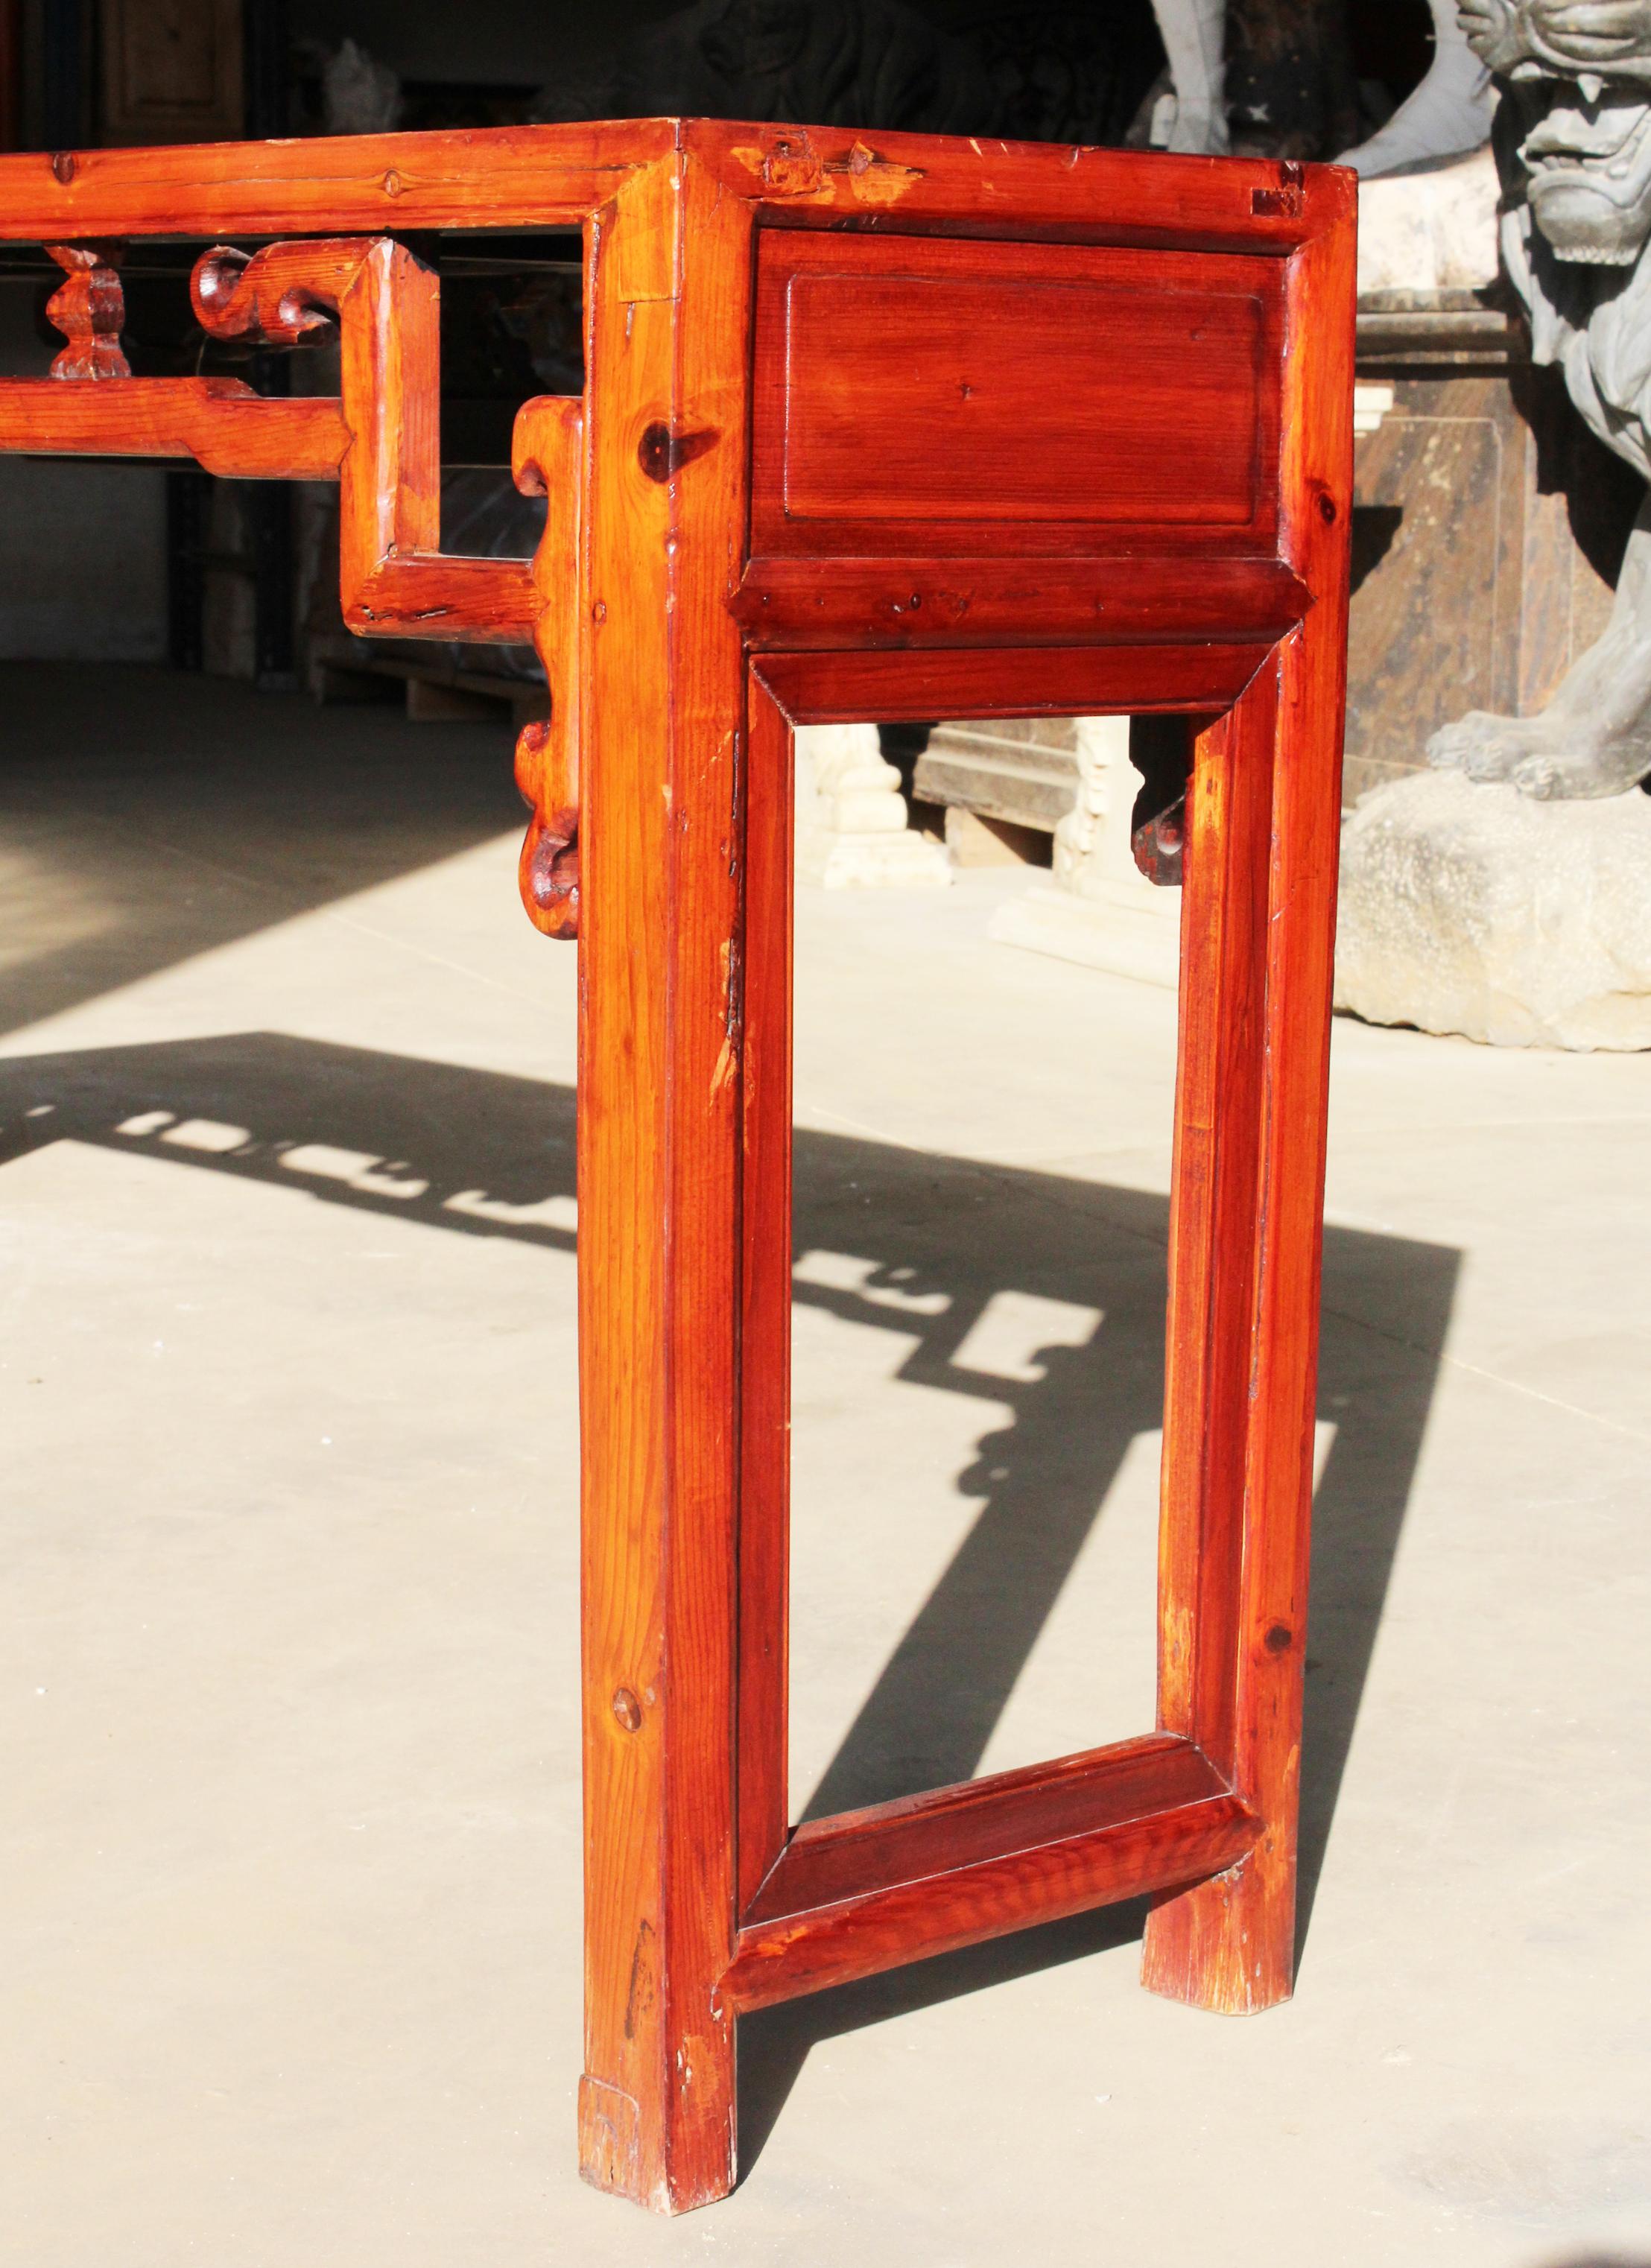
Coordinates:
[825,940]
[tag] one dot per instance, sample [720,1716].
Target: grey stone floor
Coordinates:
[290,1892]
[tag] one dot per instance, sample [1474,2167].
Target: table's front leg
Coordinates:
[662,1056]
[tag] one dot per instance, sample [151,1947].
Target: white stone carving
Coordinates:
[1431,231]
[1370,405]
[1449,113]
[853,830]
[1096,907]
[1192,116]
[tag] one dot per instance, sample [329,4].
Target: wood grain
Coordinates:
[1229,1944]
[89,308]
[220,422]
[706,480]
[1095,1865]
[829,177]
[825,688]
[624,1220]
[890,1845]
[1215,1219]
[659,1166]
[381,438]
[1024,601]
[764,1637]
[547,460]
[1008,396]
[520,176]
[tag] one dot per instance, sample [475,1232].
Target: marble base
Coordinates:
[902,861]
[853,828]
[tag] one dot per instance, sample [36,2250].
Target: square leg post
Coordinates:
[1247,1216]
[660,1183]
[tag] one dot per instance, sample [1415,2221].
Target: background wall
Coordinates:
[83,564]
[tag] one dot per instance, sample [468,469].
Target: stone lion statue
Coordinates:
[1574,146]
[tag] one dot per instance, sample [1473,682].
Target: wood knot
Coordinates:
[628,1709]
[662,454]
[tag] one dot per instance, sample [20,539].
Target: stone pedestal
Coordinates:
[1096,907]
[1488,528]
[1019,770]
[853,830]
[1474,909]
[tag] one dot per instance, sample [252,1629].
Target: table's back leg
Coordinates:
[660,1189]
[1265,827]
[1216,1234]
[1246,1236]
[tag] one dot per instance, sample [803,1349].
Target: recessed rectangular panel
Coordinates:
[1019,401]
[920,394]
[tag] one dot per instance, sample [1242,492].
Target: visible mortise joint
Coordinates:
[1288,200]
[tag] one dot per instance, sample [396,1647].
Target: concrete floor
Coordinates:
[290,1882]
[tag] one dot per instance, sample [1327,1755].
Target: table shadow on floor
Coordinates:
[936,1238]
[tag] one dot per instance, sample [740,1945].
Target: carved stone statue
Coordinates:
[1276,78]
[1573,145]
[1045,70]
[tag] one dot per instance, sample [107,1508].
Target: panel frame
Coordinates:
[788,258]
[847,1896]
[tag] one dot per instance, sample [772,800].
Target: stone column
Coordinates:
[853,830]
[1096,907]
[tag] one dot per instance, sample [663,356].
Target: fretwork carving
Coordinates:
[89,309]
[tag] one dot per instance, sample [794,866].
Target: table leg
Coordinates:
[660,1166]
[1247,1217]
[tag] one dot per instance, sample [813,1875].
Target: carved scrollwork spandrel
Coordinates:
[286,295]
[546,462]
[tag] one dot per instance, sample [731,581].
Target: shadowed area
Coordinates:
[202,811]
[937,1239]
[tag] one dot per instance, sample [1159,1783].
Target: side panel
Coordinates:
[945,396]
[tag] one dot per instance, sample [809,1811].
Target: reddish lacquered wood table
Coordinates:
[870,428]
